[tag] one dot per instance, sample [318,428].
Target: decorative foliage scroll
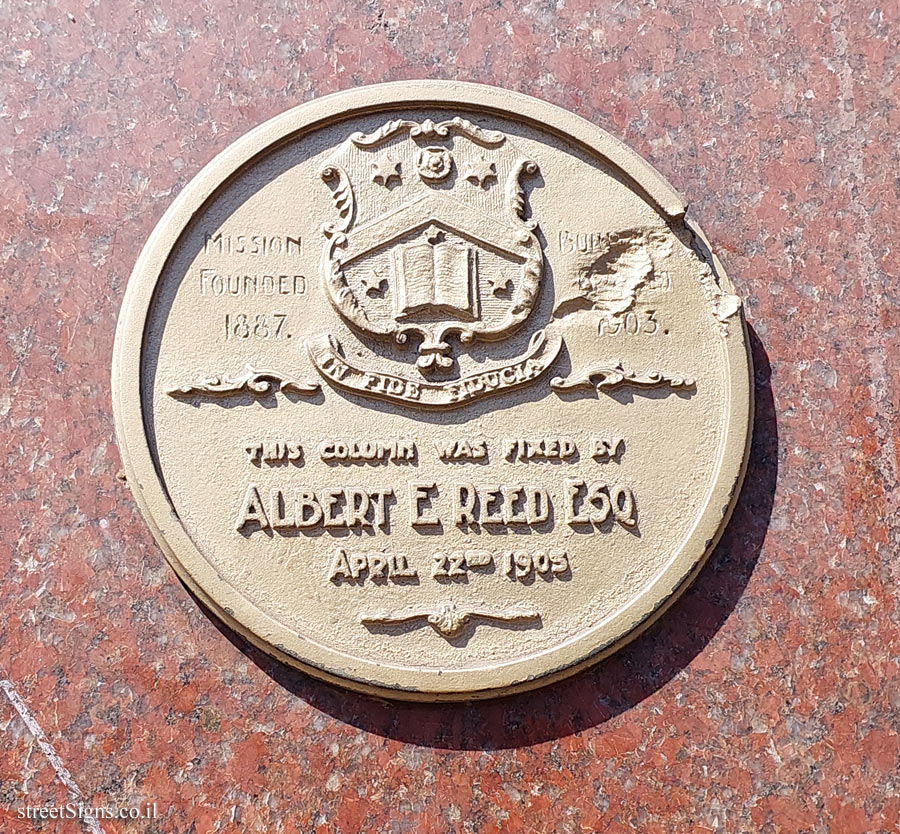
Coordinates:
[260,383]
[447,619]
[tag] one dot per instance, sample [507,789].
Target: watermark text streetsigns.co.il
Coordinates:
[80,811]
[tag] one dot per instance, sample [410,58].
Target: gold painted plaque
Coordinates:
[432,390]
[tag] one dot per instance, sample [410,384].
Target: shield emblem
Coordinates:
[432,235]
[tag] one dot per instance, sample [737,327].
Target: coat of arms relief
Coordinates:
[431,236]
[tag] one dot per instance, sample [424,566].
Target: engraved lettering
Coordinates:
[309,511]
[623,506]
[219,243]
[537,506]
[252,510]
[464,510]
[337,507]
[514,510]
[340,566]
[604,448]
[538,448]
[598,503]
[450,566]
[358,563]
[375,566]
[378,565]
[390,386]
[520,565]
[358,503]
[421,495]
[380,500]
[332,508]
[594,502]
[492,505]
[573,502]
[450,450]
[500,504]
[334,368]
[242,326]
[542,351]
[250,285]
[281,511]
[440,565]
[459,563]
[457,566]
[631,323]
[367,451]
[401,567]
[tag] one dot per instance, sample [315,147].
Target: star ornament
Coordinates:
[479,171]
[374,285]
[499,285]
[385,169]
[433,234]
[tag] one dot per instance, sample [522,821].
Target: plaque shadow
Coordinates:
[612,686]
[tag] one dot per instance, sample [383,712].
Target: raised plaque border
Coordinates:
[262,630]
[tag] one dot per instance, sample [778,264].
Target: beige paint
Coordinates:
[414,267]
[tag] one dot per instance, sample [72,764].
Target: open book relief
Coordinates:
[434,278]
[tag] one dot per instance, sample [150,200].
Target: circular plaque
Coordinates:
[430,389]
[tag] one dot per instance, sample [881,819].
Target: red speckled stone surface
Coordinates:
[767,700]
